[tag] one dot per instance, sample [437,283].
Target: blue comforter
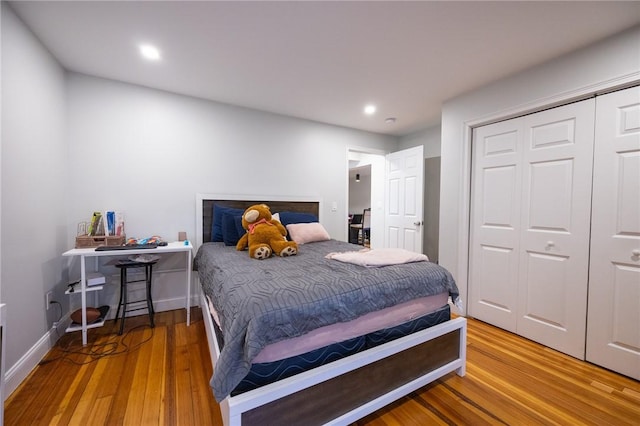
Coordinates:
[264,301]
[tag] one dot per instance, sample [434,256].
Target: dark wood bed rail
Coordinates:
[328,400]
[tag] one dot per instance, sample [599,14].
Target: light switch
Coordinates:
[334,206]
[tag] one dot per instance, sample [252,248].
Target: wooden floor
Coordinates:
[160,376]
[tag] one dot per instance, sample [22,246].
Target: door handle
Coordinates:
[418,223]
[635,253]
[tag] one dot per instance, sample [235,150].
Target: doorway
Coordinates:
[368,193]
[359,202]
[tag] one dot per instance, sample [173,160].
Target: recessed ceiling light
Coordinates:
[390,120]
[149,52]
[370,109]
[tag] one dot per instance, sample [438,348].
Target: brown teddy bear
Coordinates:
[264,235]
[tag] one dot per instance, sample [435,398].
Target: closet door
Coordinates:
[613,336]
[495,223]
[530,225]
[555,226]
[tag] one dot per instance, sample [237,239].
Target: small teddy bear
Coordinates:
[264,235]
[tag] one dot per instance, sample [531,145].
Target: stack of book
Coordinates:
[95,278]
[109,223]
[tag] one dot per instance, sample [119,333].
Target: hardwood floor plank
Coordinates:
[200,390]
[152,409]
[83,412]
[100,411]
[492,399]
[632,393]
[205,377]
[418,410]
[135,403]
[124,382]
[522,398]
[184,402]
[170,409]
[70,403]
[444,399]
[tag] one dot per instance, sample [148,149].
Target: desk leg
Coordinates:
[83,298]
[188,301]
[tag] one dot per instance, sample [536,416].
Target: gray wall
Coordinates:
[152,151]
[431,208]
[429,138]
[35,182]
[607,64]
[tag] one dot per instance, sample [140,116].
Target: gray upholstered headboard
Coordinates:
[277,204]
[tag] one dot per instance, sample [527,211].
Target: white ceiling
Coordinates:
[322,60]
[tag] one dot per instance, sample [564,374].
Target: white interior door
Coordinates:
[555,226]
[404,198]
[613,336]
[495,217]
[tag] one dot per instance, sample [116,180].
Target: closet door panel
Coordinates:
[613,330]
[497,152]
[554,236]
[550,210]
[546,271]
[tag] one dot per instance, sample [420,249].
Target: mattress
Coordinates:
[260,303]
[341,332]
[264,373]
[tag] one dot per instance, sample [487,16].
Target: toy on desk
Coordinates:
[145,241]
[135,244]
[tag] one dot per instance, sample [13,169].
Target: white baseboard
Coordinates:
[18,372]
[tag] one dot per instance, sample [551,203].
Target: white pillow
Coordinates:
[276,216]
[303,233]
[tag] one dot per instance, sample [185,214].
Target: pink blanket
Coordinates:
[378,257]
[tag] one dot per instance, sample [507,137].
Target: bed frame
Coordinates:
[345,390]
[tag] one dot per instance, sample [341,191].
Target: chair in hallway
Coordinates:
[355,225]
[366,227]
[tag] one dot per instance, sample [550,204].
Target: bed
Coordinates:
[325,377]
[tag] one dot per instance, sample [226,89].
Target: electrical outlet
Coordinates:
[48,298]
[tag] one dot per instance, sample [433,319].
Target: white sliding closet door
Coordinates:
[530,220]
[554,235]
[613,337]
[495,216]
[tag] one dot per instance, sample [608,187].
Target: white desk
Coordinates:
[85,253]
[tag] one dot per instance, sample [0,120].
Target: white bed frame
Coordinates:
[348,389]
